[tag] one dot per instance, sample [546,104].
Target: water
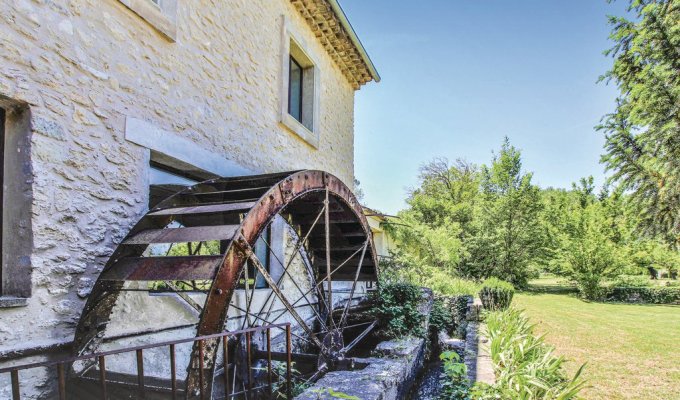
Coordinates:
[428,386]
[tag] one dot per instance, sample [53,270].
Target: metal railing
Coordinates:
[100,359]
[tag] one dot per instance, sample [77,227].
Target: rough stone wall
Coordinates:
[83,66]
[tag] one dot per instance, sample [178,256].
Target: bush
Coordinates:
[449,314]
[397,309]
[441,318]
[632,281]
[525,367]
[653,295]
[496,294]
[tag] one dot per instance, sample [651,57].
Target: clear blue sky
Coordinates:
[458,76]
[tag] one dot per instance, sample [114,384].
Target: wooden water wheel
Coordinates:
[219,229]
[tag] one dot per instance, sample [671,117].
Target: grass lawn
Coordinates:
[632,351]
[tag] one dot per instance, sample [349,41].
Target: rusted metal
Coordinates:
[102,376]
[209,211]
[201,370]
[357,339]
[284,300]
[140,373]
[269,362]
[225,356]
[184,235]
[354,285]
[249,361]
[173,372]
[327,226]
[163,268]
[289,365]
[16,390]
[61,381]
[100,360]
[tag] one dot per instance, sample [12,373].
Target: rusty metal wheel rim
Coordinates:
[286,193]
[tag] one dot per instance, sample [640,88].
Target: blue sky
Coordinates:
[458,76]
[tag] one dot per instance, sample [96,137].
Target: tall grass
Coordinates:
[525,366]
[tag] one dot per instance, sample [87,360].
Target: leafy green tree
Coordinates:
[509,238]
[643,133]
[588,255]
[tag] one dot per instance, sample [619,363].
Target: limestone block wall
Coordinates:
[85,66]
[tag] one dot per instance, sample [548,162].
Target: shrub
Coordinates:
[654,295]
[525,367]
[632,281]
[449,314]
[397,309]
[496,294]
[441,318]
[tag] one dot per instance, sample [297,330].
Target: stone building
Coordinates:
[102,99]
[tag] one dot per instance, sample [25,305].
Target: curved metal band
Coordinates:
[288,192]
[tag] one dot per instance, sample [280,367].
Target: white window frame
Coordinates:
[160,14]
[292,43]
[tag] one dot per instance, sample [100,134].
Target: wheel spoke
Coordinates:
[304,295]
[248,298]
[332,272]
[298,245]
[356,340]
[283,299]
[354,285]
[328,258]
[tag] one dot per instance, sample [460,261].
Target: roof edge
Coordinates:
[337,9]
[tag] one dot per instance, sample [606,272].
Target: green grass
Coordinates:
[632,351]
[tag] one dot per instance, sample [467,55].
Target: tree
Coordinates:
[588,255]
[432,229]
[509,238]
[643,134]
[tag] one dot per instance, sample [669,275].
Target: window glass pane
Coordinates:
[262,253]
[295,90]
[158,176]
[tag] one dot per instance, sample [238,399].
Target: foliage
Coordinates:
[588,254]
[455,382]
[496,294]
[440,281]
[466,223]
[397,308]
[643,133]
[525,366]
[631,281]
[654,295]
[441,318]
[509,238]
[334,394]
[299,384]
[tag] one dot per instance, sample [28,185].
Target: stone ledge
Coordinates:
[384,378]
[10,302]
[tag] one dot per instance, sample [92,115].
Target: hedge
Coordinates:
[496,294]
[653,295]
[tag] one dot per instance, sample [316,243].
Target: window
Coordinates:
[295,90]
[262,253]
[160,14]
[300,91]
[16,238]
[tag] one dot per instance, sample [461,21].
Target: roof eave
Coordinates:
[354,38]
